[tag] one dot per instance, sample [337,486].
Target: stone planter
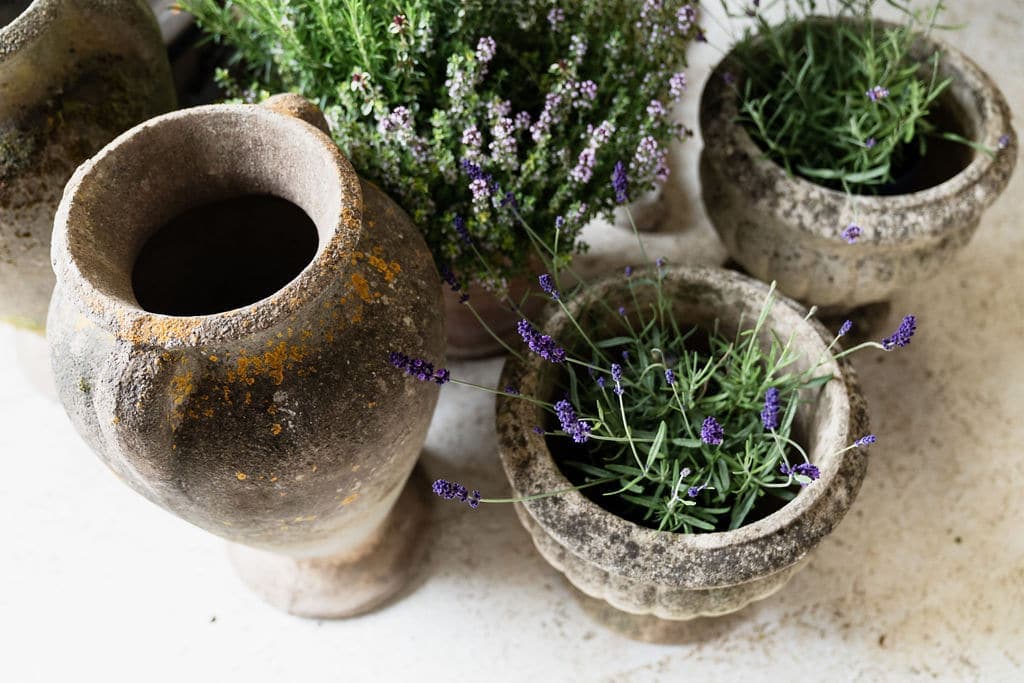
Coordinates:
[664,577]
[788,229]
[73,75]
[237,375]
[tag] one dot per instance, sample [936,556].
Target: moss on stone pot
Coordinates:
[674,576]
[789,229]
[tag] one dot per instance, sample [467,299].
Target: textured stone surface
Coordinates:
[921,582]
[73,75]
[279,425]
[682,576]
[784,228]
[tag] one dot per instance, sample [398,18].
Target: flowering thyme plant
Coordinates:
[679,427]
[464,109]
[845,102]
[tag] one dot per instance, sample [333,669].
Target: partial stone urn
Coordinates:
[227,292]
[789,229]
[73,75]
[649,579]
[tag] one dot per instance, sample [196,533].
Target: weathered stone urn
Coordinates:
[653,579]
[789,229]
[73,75]
[227,292]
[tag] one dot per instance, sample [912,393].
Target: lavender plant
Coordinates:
[846,102]
[674,426]
[462,108]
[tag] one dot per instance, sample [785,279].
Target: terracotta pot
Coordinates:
[467,338]
[277,424]
[788,229]
[73,74]
[676,576]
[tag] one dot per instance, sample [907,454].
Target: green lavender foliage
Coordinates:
[803,90]
[646,442]
[411,89]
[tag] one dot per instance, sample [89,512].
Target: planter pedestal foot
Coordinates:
[352,583]
[651,629]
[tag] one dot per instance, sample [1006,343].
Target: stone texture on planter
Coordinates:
[278,425]
[683,576]
[788,229]
[73,75]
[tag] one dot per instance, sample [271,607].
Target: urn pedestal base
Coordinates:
[349,584]
[651,629]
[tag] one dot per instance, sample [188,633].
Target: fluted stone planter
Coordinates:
[250,394]
[652,578]
[73,75]
[788,229]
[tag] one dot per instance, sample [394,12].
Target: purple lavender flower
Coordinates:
[851,233]
[511,390]
[547,283]
[845,328]
[509,199]
[578,429]
[450,490]
[620,183]
[461,230]
[1004,141]
[728,78]
[537,430]
[877,93]
[628,271]
[805,469]
[419,368]
[711,432]
[670,377]
[617,378]
[770,413]
[865,441]
[449,277]
[559,223]
[622,311]
[901,337]
[694,491]
[870,142]
[660,262]
[541,344]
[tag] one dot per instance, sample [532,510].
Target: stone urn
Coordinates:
[73,75]
[227,293]
[646,580]
[789,229]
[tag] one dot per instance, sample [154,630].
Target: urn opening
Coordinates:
[223,255]
[9,11]
[232,216]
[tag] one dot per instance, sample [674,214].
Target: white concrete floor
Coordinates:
[923,580]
